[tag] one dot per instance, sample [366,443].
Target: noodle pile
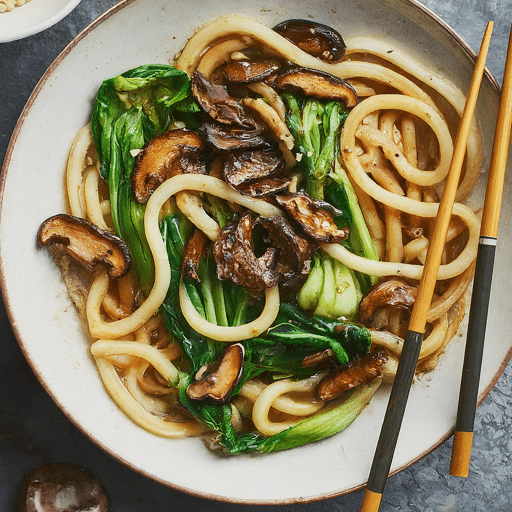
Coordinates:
[396,146]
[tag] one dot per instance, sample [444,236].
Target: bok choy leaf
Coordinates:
[129,110]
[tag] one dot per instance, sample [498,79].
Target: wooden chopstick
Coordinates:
[414,337]
[468,395]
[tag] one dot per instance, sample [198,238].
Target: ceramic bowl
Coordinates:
[137,32]
[33,17]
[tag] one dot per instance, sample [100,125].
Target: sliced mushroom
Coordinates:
[234,254]
[356,372]
[323,359]
[296,249]
[231,138]
[86,243]
[321,85]
[240,168]
[264,187]
[315,221]
[194,251]
[249,71]
[215,100]
[172,152]
[61,488]
[314,38]
[219,379]
[393,291]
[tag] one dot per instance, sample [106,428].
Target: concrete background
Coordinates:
[34,431]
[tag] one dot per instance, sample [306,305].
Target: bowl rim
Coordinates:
[43,25]
[415,4]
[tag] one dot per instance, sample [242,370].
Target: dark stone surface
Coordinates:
[34,431]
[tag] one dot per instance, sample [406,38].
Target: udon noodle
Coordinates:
[396,146]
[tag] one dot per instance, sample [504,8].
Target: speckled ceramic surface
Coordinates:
[327,469]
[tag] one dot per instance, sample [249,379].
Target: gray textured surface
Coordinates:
[34,431]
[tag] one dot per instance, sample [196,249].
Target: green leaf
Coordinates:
[324,424]
[129,110]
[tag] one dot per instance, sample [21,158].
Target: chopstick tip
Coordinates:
[461,453]
[371,501]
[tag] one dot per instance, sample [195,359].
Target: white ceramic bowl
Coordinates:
[33,17]
[137,32]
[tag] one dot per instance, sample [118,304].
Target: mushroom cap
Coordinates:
[194,250]
[215,100]
[233,251]
[86,243]
[318,84]
[219,379]
[231,138]
[314,38]
[392,291]
[264,187]
[295,248]
[241,168]
[315,221]
[356,372]
[170,153]
[61,488]
[248,71]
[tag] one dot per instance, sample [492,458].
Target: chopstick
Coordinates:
[414,337]
[463,438]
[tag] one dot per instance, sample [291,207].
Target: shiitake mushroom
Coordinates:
[173,152]
[317,84]
[315,221]
[358,371]
[61,487]
[218,380]
[86,243]
[393,291]
[314,38]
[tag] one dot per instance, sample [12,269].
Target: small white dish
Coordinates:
[33,17]
[137,32]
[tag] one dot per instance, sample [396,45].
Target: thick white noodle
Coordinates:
[234,333]
[194,182]
[74,169]
[151,354]
[137,413]
[262,405]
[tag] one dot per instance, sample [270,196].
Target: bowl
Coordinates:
[47,326]
[33,17]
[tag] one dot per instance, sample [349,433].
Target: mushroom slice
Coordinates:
[231,138]
[194,251]
[220,378]
[323,359]
[248,71]
[215,100]
[296,250]
[86,243]
[314,38]
[240,168]
[356,372]
[234,254]
[321,85]
[315,221]
[170,153]
[264,187]
[392,291]
[59,487]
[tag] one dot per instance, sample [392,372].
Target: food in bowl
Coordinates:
[9,5]
[247,229]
